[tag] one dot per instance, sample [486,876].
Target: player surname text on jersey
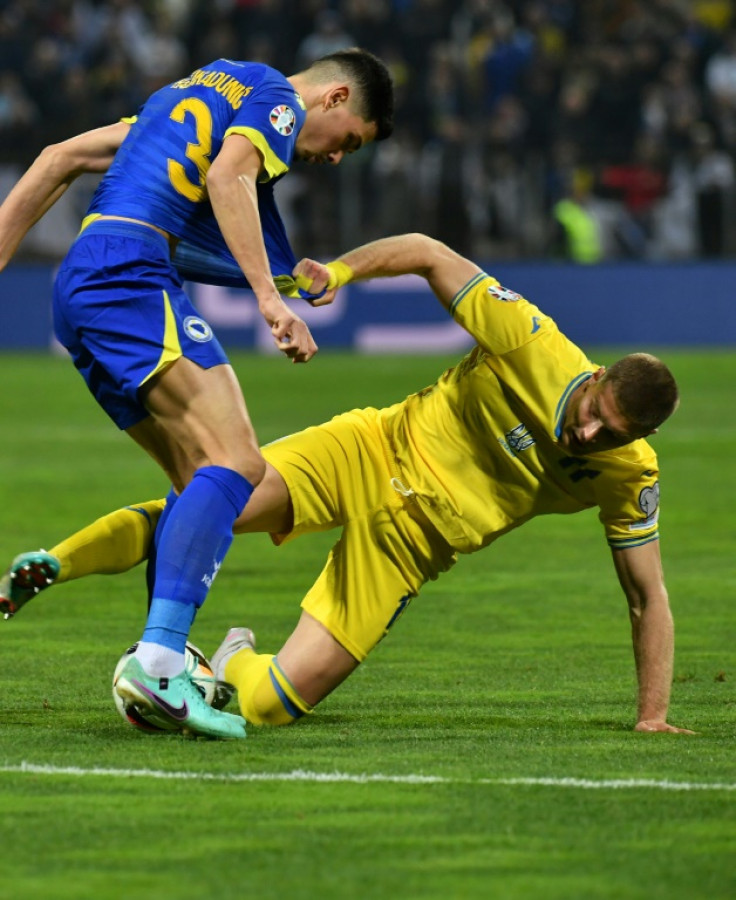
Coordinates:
[230,88]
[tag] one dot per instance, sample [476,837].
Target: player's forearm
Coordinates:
[652,632]
[399,255]
[231,184]
[445,271]
[47,179]
[35,193]
[235,204]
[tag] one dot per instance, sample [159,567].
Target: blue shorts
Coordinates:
[121,312]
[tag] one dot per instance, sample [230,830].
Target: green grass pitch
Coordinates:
[421,777]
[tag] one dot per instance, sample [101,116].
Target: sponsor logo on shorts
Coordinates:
[283,120]
[197,329]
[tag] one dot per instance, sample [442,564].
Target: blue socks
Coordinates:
[189,550]
[171,499]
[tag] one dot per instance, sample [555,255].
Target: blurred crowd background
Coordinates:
[587,130]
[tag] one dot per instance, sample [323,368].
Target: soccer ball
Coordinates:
[198,667]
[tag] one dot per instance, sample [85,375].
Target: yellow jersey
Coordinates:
[479,449]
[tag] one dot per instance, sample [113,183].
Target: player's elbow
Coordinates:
[437,262]
[424,251]
[650,603]
[57,159]
[65,160]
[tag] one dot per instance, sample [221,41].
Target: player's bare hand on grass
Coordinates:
[652,725]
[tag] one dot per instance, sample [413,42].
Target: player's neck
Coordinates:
[310,92]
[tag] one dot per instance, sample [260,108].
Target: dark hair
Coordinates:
[371,77]
[645,390]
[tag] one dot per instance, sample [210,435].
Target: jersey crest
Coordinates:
[502,293]
[519,439]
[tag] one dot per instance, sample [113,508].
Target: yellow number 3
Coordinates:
[198,153]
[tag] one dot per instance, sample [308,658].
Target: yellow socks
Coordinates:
[114,543]
[265,694]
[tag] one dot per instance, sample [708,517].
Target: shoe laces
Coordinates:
[190,669]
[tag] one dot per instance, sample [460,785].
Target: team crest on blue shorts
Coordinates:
[197,329]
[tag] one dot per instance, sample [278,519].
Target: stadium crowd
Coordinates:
[588,129]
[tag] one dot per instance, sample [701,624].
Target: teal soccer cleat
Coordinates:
[29,573]
[174,704]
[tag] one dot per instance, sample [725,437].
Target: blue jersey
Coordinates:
[218,266]
[158,174]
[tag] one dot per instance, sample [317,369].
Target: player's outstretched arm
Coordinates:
[446,271]
[49,176]
[639,570]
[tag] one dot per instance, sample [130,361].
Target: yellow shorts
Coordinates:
[342,474]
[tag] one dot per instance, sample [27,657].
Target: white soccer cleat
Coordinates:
[236,639]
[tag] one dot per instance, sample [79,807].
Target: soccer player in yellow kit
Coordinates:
[524,425]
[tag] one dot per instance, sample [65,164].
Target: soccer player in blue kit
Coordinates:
[191,169]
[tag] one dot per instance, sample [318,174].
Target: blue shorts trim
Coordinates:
[121,311]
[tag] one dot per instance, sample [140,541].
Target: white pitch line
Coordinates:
[617,783]
[366,778]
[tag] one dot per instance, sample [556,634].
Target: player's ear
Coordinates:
[337,95]
[598,374]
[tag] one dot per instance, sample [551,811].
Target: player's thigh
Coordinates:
[204,412]
[333,473]
[372,572]
[378,566]
[120,309]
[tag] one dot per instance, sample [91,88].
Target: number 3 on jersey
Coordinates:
[198,153]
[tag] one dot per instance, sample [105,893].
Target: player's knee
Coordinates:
[245,460]
[253,467]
